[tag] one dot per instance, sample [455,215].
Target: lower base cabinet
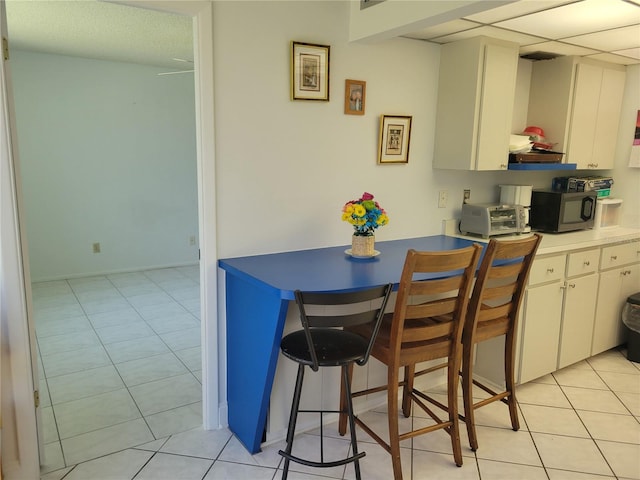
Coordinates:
[614,289]
[540,330]
[571,311]
[577,320]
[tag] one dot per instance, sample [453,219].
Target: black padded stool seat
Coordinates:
[334,348]
[323,343]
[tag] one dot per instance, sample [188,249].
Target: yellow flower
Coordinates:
[346,216]
[348,209]
[382,219]
[359,210]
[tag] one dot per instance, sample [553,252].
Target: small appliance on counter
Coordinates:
[583,184]
[490,219]
[518,195]
[553,211]
[608,212]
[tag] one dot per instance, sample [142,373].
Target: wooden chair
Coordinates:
[323,342]
[426,324]
[493,311]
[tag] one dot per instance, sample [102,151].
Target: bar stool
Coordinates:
[493,311]
[426,324]
[323,342]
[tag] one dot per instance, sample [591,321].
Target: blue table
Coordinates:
[258,291]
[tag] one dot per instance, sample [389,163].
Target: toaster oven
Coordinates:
[490,219]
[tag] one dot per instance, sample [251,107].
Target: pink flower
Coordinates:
[367,196]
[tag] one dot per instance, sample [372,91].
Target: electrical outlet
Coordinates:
[443,197]
[466,196]
[96,248]
[192,240]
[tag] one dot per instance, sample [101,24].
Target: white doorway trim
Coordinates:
[214,412]
[19,432]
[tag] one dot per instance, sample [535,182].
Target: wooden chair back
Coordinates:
[499,288]
[432,299]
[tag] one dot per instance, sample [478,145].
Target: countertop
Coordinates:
[560,242]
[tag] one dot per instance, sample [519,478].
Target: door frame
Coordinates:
[214,407]
[19,430]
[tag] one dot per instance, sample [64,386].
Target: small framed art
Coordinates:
[395,133]
[309,71]
[354,97]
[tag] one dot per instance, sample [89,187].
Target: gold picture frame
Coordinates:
[355,92]
[310,71]
[395,136]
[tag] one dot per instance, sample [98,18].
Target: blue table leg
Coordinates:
[255,321]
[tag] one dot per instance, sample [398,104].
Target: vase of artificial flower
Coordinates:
[365,215]
[363,245]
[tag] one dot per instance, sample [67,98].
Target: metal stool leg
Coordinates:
[352,423]
[291,429]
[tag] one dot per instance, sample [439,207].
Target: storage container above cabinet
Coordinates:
[578,101]
[475,104]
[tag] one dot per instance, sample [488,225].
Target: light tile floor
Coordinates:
[119,361]
[580,423]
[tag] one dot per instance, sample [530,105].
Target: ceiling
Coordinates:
[604,29]
[607,30]
[101,30]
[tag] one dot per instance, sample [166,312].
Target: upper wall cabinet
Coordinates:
[475,104]
[577,102]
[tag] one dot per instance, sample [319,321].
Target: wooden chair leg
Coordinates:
[409,375]
[392,414]
[467,393]
[453,371]
[343,417]
[510,380]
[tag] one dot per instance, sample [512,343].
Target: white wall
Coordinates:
[108,155]
[627,180]
[285,168]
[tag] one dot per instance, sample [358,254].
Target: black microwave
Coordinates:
[553,211]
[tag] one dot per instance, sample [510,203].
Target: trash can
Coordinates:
[631,320]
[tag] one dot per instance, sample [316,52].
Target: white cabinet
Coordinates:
[571,310]
[577,101]
[578,310]
[541,318]
[475,104]
[619,278]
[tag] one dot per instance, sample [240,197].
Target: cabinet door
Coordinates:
[541,331]
[577,319]
[614,288]
[584,114]
[607,122]
[496,107]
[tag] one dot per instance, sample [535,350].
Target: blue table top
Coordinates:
[331,269]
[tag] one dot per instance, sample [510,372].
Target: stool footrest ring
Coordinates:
[310,463]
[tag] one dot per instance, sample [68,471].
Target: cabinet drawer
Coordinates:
[621,254]
[547,269]
[580,263]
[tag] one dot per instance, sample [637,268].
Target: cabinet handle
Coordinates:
[614,257]
[549,270]
[572,285]
[586,263]
[503,166]
[626,272]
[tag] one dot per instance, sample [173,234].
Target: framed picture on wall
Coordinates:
[395,133]
[309,71]
[354,97]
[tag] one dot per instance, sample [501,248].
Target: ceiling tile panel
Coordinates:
[616,39]
[493,32]
[576,19]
